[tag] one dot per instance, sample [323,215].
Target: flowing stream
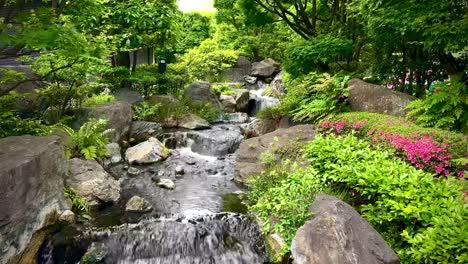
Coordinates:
[202,220]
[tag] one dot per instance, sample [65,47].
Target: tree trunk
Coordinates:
[134,62]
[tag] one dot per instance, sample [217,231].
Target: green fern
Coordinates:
[326,99]
[446,109]
[89,141]
[79,204]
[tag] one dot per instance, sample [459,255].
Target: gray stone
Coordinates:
[218,141]
[248,157]
[367,97]
[250,79]
[229,103]
[276,89]
[236,118]
[179,170]
[132,171]
[147,152]
[32,172]
[113,153]
[118,114]
[201,92]
[244,64]
[258,127]
[242,100]
[338,234]
[137,204]
[129,96]
[68,217]
[265,68]
[143,130]
[193,122]
[90,181]
[165,183]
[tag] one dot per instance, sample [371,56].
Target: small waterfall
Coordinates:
[258,101]
[217,238]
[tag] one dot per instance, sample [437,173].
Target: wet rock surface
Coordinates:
[150,151]
[185,224]
[248,161]
[368,97]
[32,173]
[338,234]
[90,181]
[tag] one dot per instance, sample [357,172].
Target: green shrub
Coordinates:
[12,125]
[148,81]
[89,141]
[116,77]
[274,114]
[447,108]
[208,61]
[314,97]
[206,111]
[224,89]
[303,57]
[99,99]
[24,104]
[79,204]
[377,122]
[395,196]
[282,199]
[146,111]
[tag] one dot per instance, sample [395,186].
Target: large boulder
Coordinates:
[193,122]
[143,130]
[218,141]
[242,100]
[201,92]
[338,234]
[367,97]
[244,64]
[265,68]
[248,159]
[129,96]
[277,88]
[258,127]
[32,174]
[90,181]
[229,103]
[150,151]
[136,204]
[118,114]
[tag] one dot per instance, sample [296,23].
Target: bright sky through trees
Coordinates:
[196,5]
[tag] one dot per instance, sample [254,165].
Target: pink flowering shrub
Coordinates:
[423,152]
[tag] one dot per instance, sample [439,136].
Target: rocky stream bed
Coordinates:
[197,216]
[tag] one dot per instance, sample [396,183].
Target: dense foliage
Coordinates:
[406,205]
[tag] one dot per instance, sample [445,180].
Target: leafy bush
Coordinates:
[314,97]
[421,151]
[457,142]
[303,57]
[282,199]
[12,125]
[24,104]
[89,141]
[207,61]
[99,99]
[116,77]
[447,108]
[396,196]
[206,111]
[148,81]
[224,89]
[79,204]
[146,111]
